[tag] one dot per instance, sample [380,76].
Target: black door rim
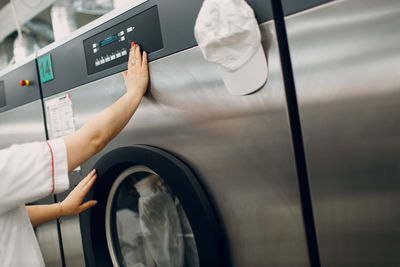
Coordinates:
[207,230]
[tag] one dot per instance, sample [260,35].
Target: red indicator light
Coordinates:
[24,82]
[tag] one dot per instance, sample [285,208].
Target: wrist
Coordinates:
[60,209]
[134,95]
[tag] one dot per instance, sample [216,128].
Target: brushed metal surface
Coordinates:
[240,147]
[346,61]
[21,125]
[72,241]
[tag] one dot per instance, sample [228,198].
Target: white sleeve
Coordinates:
[31,171]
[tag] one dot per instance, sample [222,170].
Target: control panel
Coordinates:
[19,85]
[111,47]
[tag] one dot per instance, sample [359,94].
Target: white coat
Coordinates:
[28,172]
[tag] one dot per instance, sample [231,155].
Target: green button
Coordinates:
[45,69]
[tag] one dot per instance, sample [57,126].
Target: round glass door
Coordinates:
[151,210]
[146,224]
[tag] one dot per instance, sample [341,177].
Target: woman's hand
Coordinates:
[137,76]
[72,204]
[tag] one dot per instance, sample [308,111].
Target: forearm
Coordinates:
[98,131]
[39,214]
[107,124]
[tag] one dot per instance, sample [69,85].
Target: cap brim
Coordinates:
[248,78]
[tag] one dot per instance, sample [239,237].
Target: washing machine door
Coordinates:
[151,211]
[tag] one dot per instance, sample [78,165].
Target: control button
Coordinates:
[97,63]
[118,54]
[112,57]
[94,45]
[123,38]
[24,82]
[123,52]
[129,29]
[107,58]
[102,61]
[95,50]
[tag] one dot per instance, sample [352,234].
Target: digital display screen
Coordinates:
[108,40]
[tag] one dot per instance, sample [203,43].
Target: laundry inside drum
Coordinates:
[146,224]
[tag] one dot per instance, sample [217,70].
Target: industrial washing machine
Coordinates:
[22,121]
[223,165]
[345,57]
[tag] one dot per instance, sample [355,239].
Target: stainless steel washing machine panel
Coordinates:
[21,113]
[22,124]
[240,147]
[345,58]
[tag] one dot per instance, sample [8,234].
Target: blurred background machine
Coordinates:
[21,121]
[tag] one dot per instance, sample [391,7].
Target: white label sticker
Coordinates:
[60,120]
[59,116]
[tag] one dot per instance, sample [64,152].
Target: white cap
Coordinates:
[228,34]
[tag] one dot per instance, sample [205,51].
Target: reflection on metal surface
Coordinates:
[72,243]
[21,125]
[346,65]
[47,235]
[239,146]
